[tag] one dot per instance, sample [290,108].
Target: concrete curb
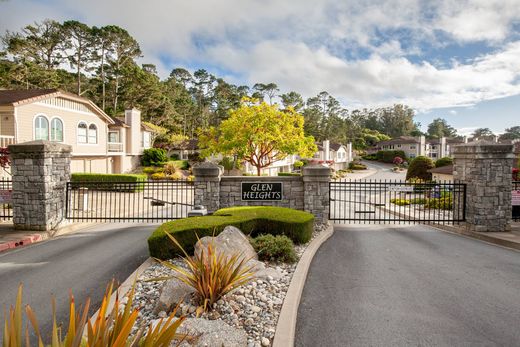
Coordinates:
[286,327]
[126,286]
[27,238]
[487,237]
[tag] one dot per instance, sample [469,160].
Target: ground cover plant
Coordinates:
[274,248]
[251,220]
[113,182]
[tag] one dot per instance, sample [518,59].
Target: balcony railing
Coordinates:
[6,140]
[115,147]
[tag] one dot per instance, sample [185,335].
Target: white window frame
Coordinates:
[78,133]
[62,129]
[89,136]
[35,129]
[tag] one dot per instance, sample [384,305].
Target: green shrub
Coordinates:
[419,168]
[274,248]
[445,161]
[400,202]
[113,182]
[388,156]
[418,201]
[164,176]
[252,220]
[298,164]
[443,203]
[154,157]
[288,174]
[370,157]
[356,166]
[174,156]
[149,170]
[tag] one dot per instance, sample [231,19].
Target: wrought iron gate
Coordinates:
[149,201]
[516,201]
[397,202]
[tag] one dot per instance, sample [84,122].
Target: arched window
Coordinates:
[56,130]
[92,133]
[82,132]
[41,128]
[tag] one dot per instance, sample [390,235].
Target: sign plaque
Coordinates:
[261,191]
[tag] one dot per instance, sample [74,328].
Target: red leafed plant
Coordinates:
[5,161]
[398,161]
[516,174]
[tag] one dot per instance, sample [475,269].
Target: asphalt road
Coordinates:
[84,262]
[409,286]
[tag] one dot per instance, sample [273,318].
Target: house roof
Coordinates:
[192,144]
[445,170]
[332,146]
[18,97]
[399,140]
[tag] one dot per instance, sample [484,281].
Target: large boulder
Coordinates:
[211,333]
[230,241]
[263,272]
[172,292]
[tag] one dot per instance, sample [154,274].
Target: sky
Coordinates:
[455,59]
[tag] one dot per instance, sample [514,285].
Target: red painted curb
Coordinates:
[20,242]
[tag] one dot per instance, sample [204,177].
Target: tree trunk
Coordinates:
[258,170]
[103,75]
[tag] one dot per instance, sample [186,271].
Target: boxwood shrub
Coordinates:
[113,182]
[251,220]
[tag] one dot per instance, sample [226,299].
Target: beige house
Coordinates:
[100,143]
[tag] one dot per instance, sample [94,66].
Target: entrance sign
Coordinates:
[515,198]
[5,196]
[261,191]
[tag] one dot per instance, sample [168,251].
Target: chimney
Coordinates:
[442,149]
[422,145]
[133,138]
[326,150]
[495,138]
[465,139]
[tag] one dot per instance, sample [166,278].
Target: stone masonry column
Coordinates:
[485,167]
[40,172]
[207,185]
[316,180]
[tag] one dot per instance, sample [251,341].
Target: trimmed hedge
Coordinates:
[288,174]
[444,161]
[113,182]
[388,156]
[251,220]
[419,167]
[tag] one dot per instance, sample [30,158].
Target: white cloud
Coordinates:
[310,46]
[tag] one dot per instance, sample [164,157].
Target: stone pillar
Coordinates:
[207,185]
[40,172]
[485,167]
[316,180]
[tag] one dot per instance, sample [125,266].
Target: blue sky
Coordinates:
[459,60]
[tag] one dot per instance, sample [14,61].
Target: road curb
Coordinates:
[26,239]
[485,237]
[286,327]
[125,286]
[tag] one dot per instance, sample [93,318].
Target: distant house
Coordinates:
[419,146]
[100,143]
[185,149]
[340,155]
[443,173]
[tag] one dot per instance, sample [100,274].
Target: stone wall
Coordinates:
[309,192]
[40,172]
[292,188]
[485,168]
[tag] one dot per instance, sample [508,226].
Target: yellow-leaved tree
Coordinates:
[259,134]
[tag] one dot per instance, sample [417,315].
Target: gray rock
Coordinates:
[211,333]
[262,272]
[173,291]
[230,241]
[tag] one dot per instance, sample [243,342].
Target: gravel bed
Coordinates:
[254,307]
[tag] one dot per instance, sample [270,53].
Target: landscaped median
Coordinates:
[248,314]
[297,225]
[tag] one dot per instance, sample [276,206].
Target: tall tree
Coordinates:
[203,92]
[292,99]
[440,128]
[269,90]
[80,43]
[483,133]
[512,133]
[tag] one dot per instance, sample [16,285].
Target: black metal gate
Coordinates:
[6,190]
[516,201]
[149,201]
[397,202]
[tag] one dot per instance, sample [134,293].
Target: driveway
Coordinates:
[410,286]
[84,262]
